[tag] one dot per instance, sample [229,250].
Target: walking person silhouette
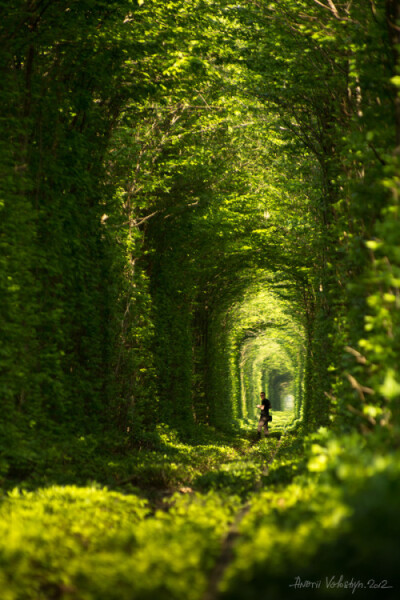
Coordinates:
[264,416]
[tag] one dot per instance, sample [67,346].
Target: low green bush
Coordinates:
[337,518]
[90,543]
[319,508]
[237,477]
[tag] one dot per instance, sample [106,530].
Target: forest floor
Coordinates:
[223,516]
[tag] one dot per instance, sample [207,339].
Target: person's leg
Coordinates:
[262,423]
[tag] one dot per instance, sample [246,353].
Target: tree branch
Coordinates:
[332,8]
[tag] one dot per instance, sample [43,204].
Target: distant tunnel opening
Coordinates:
[258,345]
[272,364]
[281,390]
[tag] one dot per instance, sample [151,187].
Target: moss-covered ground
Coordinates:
[312,517]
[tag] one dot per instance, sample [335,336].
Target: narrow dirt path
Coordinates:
[227,549]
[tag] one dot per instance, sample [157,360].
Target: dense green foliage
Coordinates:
[199,200]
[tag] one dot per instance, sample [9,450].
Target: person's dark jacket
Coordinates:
[267,405]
